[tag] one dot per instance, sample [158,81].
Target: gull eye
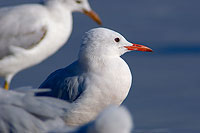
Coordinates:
[78,1]
[117,39]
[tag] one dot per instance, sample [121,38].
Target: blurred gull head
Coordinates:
[113,119]
[77,6]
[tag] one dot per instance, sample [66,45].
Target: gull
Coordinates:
[98,78]
[22,112]
[30,33]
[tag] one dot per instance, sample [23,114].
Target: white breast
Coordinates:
[108,84]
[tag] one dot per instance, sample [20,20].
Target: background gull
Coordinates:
[22,113]
[30,33]
[98,78]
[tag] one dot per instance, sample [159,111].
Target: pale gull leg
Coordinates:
[7,81]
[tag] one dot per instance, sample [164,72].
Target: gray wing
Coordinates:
[21,26]
[67,84]
[41,107]
[14,119]
[25,113]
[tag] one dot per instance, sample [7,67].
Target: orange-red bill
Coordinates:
[93,16]
[138,47]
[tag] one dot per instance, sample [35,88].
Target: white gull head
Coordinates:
[106,42]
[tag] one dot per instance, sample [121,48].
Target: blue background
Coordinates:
[165,93]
